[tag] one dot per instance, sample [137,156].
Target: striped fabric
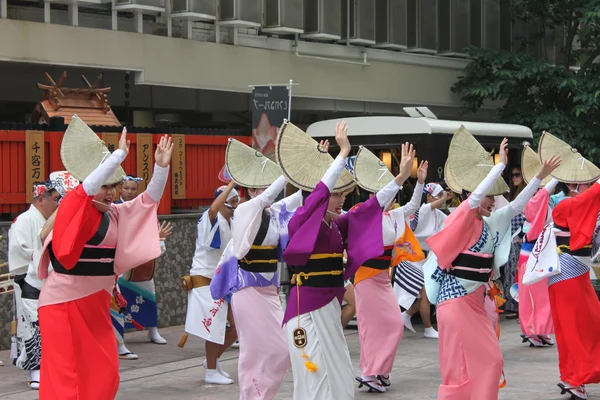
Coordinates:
[414,222]
[409,278]
[570,267]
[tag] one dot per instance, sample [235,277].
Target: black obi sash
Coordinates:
[261,258]
[473,262]
[382,262]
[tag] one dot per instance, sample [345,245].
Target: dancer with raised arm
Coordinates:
[469,251]
[320,360]
[380,326]
[87,247]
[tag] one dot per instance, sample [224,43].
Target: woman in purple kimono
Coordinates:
[319,355]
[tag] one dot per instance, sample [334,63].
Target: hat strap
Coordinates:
[264,164]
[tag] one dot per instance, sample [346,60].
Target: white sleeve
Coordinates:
[163,247]
[550,186]
[387,194]
[270,194]
[518,204]
[485,185]
[156,187]
[415,201]
[248,218]
[96,179]
[333,173]
[20,247]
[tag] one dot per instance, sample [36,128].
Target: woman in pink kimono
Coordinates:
[380,326]
[88,247]
[468,253]
[535,313]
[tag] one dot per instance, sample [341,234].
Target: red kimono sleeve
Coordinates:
[76,223]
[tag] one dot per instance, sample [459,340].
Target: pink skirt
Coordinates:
[264,357]
[470,358]
[380,325]
[535,313]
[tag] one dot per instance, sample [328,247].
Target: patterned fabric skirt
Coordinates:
[141,303]
[29,346]
[408,282]
[510,277]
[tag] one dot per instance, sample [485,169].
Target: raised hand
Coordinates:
[123,142]
[164,151]
[341,138]
[504,151]
[166,230]
[422,172]
[406,161]
[549,165]
[324,146]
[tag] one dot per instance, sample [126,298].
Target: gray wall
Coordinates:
[176,262]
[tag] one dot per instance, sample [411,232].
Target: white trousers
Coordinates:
[326,347]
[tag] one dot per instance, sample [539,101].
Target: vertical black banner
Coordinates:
[269,108]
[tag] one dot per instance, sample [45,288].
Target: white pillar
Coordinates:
[74,14]
[188,28]
[114,18]
[3,9]
[46,12]
[169,20]
[139,22]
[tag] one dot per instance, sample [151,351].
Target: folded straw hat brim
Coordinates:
[574,168]
[370,172]
[82,151]
[531,165]
[470,163]
[248,167]
[304,162]
[449,179]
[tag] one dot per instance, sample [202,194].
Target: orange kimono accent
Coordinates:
[406,248]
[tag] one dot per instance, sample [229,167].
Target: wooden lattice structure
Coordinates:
[6,281]
[89,103]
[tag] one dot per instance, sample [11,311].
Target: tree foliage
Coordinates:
[562,97]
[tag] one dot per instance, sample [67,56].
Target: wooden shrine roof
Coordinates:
[89,103]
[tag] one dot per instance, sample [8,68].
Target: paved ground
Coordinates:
[170,373]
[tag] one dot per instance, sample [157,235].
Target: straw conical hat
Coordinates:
[370,172]
[303,162]
[248,167]
[449,179]
[470,163]
[82,151]
[573,168]
[530,165]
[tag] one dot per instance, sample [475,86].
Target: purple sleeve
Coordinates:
[362,230]
[304,226]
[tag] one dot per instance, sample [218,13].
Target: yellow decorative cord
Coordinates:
[310,366]
[245,261]
[560,248]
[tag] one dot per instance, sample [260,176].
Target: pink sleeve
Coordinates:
[459,229]
[137,239]
[536,212]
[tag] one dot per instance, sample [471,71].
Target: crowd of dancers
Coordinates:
[84,268]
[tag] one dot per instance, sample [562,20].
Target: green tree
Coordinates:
[561,95]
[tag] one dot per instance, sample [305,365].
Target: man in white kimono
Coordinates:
[207,318]
[24,250]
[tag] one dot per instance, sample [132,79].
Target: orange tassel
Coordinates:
[183,340]
[310,366]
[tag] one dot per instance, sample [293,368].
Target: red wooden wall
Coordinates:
[204,155]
